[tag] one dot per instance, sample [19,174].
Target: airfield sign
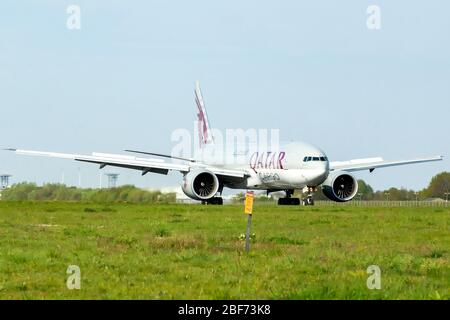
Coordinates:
[249,196]
[249,202]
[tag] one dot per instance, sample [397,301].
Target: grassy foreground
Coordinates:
[194,252]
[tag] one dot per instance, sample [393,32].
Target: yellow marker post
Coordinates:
[249,196]
[249,202]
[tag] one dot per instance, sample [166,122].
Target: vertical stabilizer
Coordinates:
[204,130]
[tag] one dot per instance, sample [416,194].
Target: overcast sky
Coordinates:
[310,68]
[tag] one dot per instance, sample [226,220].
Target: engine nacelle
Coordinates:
[200,184]
[340,186]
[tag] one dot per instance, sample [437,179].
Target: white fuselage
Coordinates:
[293,166]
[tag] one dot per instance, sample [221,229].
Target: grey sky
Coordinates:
[312,69]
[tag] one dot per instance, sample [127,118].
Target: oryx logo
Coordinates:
[204,133]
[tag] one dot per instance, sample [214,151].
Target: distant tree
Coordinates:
[365,189]
[239,197]
[395,194]
[19,191]
[439,185]
[399,194]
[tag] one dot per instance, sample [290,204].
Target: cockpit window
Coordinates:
[308,159]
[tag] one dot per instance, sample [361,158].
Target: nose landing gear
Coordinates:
[309,200]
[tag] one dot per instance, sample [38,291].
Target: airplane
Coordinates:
[294,166]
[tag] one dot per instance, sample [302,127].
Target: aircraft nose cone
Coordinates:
[317,176]
[323,175]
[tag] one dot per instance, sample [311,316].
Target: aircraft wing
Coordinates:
[375,163]
[145,165]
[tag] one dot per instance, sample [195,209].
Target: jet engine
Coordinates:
[340,186]
[200,184]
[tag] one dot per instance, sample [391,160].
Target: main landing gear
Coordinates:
[288,201]
[214,201]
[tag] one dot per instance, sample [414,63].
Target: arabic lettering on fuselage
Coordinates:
[267,160]
[267,177]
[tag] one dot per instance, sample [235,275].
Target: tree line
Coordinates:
[58,192]
[439,187]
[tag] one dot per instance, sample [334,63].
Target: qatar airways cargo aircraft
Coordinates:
[294,166]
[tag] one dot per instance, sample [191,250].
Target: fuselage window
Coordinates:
[316,159]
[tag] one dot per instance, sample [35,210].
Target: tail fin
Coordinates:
[204,130]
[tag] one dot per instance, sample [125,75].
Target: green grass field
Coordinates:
[194,252]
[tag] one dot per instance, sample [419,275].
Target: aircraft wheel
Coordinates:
[289,201]
[215,201]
